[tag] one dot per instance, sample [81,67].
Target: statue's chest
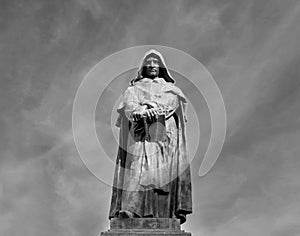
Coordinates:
[154,92]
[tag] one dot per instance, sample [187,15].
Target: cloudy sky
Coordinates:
[252,50]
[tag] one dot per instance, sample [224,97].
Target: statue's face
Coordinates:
[152,67]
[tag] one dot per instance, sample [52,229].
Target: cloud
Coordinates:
[250,48]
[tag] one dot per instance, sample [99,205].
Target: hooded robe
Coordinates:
[152,174]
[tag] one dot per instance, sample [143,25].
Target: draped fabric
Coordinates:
[152,175]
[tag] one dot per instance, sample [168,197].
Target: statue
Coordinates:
[152,176]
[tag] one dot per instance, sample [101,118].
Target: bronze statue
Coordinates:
[152,175]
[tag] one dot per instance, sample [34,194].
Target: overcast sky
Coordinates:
[252,50]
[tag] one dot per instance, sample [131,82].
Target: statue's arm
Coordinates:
[169,105]
[133,109]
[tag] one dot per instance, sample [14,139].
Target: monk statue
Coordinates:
[152,175]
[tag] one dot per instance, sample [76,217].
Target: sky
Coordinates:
[252,50]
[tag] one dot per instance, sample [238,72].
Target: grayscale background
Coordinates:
[252,50]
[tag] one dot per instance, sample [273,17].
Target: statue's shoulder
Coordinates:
[129,89]
[172,86]
[176,90]
[130,92]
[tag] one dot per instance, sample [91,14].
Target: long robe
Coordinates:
[152,176]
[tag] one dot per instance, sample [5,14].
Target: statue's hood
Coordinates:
[163,70]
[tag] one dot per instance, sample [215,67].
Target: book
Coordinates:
[155,130]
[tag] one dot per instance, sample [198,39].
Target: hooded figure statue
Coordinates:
[152,175]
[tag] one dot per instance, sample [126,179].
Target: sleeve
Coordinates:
[175,97]
[171,105]
[130,103]
[182,101]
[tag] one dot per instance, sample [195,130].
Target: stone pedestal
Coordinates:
[144,227]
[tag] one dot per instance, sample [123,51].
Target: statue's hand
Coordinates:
[151,113]
[138,114]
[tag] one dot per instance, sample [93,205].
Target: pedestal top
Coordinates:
[145,227]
